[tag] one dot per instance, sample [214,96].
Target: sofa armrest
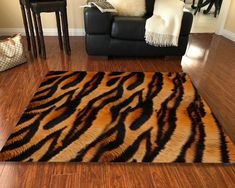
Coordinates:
[186,24]
[97,22]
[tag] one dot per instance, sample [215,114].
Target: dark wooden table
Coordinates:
[32,23]
[28,25]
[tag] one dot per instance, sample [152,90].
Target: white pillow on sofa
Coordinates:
[129,7]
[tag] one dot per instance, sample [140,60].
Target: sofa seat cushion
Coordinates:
[128,28]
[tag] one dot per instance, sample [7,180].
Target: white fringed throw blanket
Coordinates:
[163,28]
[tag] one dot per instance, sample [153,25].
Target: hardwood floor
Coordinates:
[210,63]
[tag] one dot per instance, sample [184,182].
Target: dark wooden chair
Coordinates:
[203,3]
[217,4]
[37,7]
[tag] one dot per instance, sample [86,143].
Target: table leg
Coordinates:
[42,43]
[37,33]
[25,26]
[32,32]
[67,29]
[65,32]
[59,30]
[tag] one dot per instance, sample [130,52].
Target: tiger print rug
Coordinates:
[118,117]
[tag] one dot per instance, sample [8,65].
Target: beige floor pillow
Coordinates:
[129,7]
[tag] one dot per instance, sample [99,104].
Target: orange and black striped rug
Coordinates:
[118,117]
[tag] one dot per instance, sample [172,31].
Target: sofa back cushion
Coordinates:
[149,7]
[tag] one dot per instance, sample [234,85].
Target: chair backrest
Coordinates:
[149,7]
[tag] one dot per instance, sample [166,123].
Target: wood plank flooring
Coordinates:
[210,63]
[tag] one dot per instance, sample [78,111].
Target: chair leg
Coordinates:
[198,6]
[37,33]
[42,43]
[201,4]
[217,7]
[32,32]
[25,26]
[193,5]
[59,30]
[208,8]
[65,31]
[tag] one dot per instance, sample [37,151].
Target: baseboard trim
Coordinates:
[81,32]
[228,34]
[46,32]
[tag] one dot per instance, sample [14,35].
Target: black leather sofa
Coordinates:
[109,35]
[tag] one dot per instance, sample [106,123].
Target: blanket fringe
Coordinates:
[161,40]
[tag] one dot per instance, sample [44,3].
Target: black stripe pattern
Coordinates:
[118,117]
